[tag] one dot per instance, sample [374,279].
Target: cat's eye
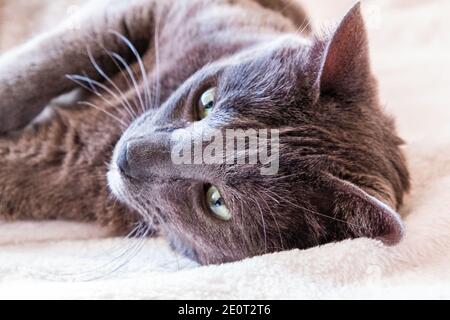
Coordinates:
[207,103]
[217,205]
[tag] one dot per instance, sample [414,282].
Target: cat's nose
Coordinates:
[122,161]
[146,157]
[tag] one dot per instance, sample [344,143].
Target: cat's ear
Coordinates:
[357,214]
[343,59]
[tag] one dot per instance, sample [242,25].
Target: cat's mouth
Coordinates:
[116,183]
[117,180]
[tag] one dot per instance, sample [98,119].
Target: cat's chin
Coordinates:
[116,184]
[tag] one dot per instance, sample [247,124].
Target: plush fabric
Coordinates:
[410,46]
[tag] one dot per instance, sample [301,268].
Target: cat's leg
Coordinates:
[53,171]
[292,10]
[33,74]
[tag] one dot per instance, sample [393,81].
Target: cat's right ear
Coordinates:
[341,61]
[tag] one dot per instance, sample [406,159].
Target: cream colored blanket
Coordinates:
[410,42]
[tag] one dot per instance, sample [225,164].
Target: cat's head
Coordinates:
[337,173]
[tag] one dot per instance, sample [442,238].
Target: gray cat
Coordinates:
[153,70]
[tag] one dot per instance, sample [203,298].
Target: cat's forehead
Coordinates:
[263,82]
[272,48]
[265,68]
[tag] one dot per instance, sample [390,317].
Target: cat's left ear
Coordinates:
[343,59]
[354,213]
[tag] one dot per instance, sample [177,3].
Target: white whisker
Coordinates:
[104,111]
[80,79]
[123,99]
[135,85]
[140,63]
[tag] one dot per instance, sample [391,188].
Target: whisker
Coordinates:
[115,58]
[303,27]
[263,224]
[129,255]
[157,63]
[121,122]
[89,86]
[244,235]
[121,60]
[80,79]
[89,275]
[274,218]
[124,99]
[143,212]
[140,63]
[238,198]
[130,235]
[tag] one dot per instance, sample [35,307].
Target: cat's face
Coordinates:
[336,161]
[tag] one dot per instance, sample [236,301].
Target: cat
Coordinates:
[153,70]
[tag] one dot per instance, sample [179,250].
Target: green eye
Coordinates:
[207,103]
[217,205]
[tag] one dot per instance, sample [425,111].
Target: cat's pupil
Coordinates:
[218,203]
[210,105]
[207,103]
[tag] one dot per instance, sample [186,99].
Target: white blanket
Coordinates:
[410,45]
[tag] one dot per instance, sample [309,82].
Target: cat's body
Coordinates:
[58,169]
